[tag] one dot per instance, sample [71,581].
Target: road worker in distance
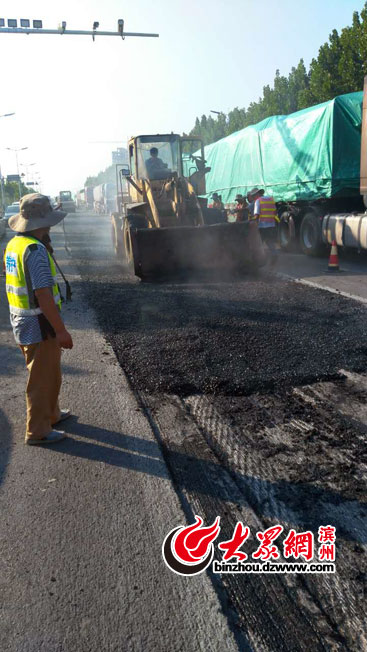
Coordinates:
[265,212]
[241,209]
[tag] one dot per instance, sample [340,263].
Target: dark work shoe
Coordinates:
[52,438]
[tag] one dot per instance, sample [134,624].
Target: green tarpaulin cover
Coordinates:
[309,154]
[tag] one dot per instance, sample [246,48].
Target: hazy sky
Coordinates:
[211,54]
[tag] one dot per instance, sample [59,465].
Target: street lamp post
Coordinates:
[19,149]
[4,115]
[26,166]
[38,181]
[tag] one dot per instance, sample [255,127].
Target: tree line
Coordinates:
[104,176]
[10,191]
[339,68]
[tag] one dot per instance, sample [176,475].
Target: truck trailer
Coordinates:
[80,199]
[88,195]
[104,198]
[313,162]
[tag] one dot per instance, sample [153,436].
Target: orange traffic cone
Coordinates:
[333,265]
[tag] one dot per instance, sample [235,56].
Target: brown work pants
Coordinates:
[44,382]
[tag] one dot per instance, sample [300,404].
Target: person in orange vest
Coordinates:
[265,212]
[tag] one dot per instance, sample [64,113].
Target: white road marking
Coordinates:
[318,286]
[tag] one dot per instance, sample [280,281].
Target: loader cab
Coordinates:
[160,157]
[154,157]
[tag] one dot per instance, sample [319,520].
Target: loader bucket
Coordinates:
[222,248]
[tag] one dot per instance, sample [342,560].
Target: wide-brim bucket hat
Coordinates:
[255,191]
[36,212]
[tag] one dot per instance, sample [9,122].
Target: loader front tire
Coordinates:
[132,221]
[117,236]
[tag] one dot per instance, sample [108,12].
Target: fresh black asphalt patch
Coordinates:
[233,338]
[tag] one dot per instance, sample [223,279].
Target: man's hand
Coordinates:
[64,339]
[51,312]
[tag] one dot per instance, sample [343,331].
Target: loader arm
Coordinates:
[151,202]
[193,196]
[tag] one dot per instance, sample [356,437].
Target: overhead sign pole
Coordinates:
[25,28]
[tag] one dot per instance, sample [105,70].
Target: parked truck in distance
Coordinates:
[104,198]
[313,162]
[88,196]
[66,200]
[80,199]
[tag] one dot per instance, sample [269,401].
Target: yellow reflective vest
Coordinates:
[21,296]
[268,213]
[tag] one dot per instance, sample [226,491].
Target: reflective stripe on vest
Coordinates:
[268,212]
[21,297]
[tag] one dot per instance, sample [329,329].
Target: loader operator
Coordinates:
[155,167]
[265,213]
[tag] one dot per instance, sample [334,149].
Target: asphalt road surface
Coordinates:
[250,396]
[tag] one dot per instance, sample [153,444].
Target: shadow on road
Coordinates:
[201,476]
[5,444]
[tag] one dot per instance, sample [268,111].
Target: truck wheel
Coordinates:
[311,235]
[287,232]
[117,236]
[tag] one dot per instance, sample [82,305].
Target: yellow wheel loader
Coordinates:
[163,224]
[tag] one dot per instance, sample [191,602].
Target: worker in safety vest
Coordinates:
[265,212]
[34,304]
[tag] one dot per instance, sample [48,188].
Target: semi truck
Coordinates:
[313,162]
[104,198]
